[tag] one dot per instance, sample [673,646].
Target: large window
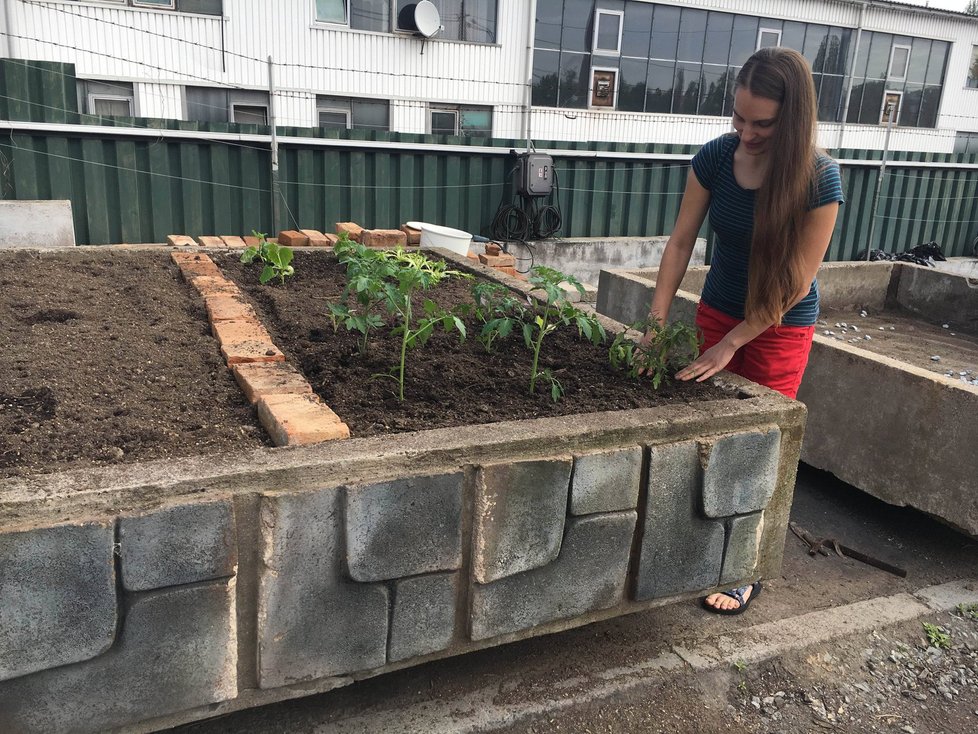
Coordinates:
[106,98]
[681,60]
[460,120]
[208,104]
[351,113]
[461,20]
[973,69]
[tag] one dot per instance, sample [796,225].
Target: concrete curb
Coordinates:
[476,712]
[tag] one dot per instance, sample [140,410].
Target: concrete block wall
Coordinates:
[302,571]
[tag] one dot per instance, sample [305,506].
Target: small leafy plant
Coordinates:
[937,636]
[968,611]
[415,272]
[553,312]
[277,259]
[664,348]
[367,271]
[499,311]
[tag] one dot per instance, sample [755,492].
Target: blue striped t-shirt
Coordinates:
[732,218]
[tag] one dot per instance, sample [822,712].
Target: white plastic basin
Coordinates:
[434,235]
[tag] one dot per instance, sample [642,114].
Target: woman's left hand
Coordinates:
[709,363]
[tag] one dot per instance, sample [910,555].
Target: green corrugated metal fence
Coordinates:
[137,186]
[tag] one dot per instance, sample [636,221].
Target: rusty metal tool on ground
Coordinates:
[824,545]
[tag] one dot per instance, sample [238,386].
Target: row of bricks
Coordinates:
[288,409]
[380,238]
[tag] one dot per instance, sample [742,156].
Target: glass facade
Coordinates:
[685,60]
[461,20]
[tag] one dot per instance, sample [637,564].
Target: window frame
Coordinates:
[347,114]
[598,12]
[906,64]
[333,23]
[92,97]
[614,92]
[234,107]
[899,106]
[171,4]
[761,30]
[441,109]
[971,82]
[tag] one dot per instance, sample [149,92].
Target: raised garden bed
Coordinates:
[884,415]
[144,594]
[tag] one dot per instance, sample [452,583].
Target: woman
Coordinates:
[773,199]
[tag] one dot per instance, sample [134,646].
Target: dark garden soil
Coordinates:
[106,358]
[447,383]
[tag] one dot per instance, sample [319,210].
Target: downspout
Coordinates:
[528,92]
[8,25]
[855,54]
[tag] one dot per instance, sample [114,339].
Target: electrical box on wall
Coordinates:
[534,174]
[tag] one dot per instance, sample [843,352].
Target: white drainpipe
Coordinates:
[528,92]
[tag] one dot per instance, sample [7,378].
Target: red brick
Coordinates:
[210,285]
[296,420]
[493,248]
[332,238]
[413,235]
[498,261]
[472,256]
[386,239]
[293,238]
[352,229]
[317,238]
[261,379]
[245,341]
[250,241]
[511,271]
[194,265]
[229,308]
[180,240]
[210,241]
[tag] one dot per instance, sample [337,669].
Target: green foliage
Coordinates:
[968,611]
[937,636]
[553,312]
[277,259]
[499,311]
[388,280]
[663,349]
[740,665]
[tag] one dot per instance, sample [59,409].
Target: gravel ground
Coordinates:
[892,680]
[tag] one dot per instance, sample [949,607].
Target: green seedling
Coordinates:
[665,348]
[499,311]
[937,636]
[415,272]
[740,665]
[968,611]
[367,272]
[277,259]
[554,311]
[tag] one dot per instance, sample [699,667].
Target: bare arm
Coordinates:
[679,247]
[817,233]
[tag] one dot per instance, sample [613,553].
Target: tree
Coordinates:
[972,7]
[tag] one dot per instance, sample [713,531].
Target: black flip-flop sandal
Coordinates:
[737,594]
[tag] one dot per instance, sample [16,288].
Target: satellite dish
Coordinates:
[426,18]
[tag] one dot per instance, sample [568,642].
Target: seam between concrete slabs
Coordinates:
[475,712]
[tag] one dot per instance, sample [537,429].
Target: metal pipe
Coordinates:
[7,30]
[271,120]
[528,92]
[855,53]
[879,180]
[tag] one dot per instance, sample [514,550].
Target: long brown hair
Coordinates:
[775,273]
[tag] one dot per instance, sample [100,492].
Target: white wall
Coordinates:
[160,51]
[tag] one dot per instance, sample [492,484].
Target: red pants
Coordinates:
[775,358]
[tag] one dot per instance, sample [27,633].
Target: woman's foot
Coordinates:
[734,601]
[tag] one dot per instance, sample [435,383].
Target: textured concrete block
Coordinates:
[178,545]
[740,472]
[312,623]
[606,481]
[423,619]
[57,597]
[176,651]
[743,542]
[519,520]
[404,528]
[589,575]
[681,552]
